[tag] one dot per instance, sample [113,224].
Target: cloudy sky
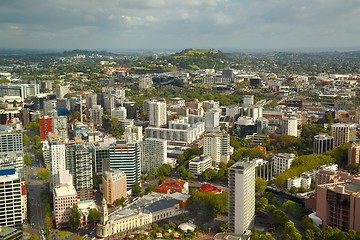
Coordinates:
[163,24]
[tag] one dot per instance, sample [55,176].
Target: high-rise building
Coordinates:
[255,112]
[290,125]
[241,196]
[145,82]
[153,154]
[109,101]
[11,149]
[130,110]
[338,205]
[62,103]
[354,153]
[126,156]
[156,113]
[119,112]
[212,119]
[96,115]
[61,91]
[45,124]
[114,185]
[217,145]
[91,100]
[57,161]
[261,125]
[343,133]
[281,162]
[11,208]
[323,143]
[60,127]
[79,163]
[64,197]
[248,100]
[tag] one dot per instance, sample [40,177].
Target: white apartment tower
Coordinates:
[241,196]
[11,208]
[248,100]
[281,162]
[212,119]
[290,126]
[57,161]
[96,115]
[153,154]
[255,112]
[217,145]
[343,133]
[119,112]
[157,113]
[91,100]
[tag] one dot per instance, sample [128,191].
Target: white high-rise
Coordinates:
[241,196]
[290,126]
[57,161]
[212,119]
[96,115]
[343,133]
[11,208]
[217,145]
[255,112]
[153,154]
[248,100]
[119,112]
[157,113]
[281,162]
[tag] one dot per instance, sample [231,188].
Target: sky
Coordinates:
[179,24]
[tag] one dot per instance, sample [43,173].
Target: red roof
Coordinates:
[209,188]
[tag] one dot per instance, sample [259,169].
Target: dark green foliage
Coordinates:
[136,190]
[150,188]
[293,208]
[74,221]
[260,185]
[94,215]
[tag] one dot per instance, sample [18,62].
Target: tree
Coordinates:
[150,188]
[291,231]
[27,159]
[164,170]
[136,190]
[260,185]
[34,237]
[48,222]
[43,173]
[94,215]
[120,202]
[293,208]
[115,127]
[26,139]
[74,221]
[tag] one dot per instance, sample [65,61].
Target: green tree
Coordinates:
[136,190]
[27,159]
[43,173]
[94,215]
[74,221]
[291,231]
[150,188]
[120,202]
[260,185]
[26,139]
[34,237]
[115,128]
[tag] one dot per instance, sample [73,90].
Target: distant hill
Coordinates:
[194,59]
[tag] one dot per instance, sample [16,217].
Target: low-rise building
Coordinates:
[281,162]
[198,165]
[171,186]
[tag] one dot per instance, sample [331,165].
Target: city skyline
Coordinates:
[159,24]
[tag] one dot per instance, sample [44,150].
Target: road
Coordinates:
[36,214]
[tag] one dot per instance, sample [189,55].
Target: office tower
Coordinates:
[79,163]
[354,153]
[130,110]
[248,100]
[261,125]
[91,100]
[46,126]
[57,161]
[60,127]
[156,113]
[281,162]
[338,205]
[209,104]
[64,197]
[126,156]
[11,149]
[63,103]
[255,112]
[101,153]
[244,126]
[212,119]
[49,106]
[61,91]
[109,101]
[241,196]
[263,169]
[290,126]
[217,145]
[145,82]
[96,115]
[153,154]
[46,153]
[343,133]
[114,185]
[323,143]
[11,208]
[119,112]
